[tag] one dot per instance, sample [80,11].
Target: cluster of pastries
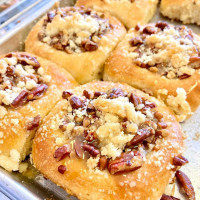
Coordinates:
[117,136]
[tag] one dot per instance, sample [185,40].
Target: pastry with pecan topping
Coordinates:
[163,60]
[186,11]
[129,12]
[29,87]
[78,39]
[112,139]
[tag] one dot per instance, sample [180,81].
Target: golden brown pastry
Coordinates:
[186,11]
[29,87]
[163,60]
[108,141]
[77,39]
[129,12]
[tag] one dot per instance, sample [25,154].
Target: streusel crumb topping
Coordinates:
[171,51]
[22,79]
[74,30]
[112,129]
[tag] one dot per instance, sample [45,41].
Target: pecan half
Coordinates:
[166,197]
[38,91]
[93,151]
[129,161]
[140,137]
[34,123]
[103,161]
[179,160]
[185,184]
[20,99]
[62,169]
[66,94]
[62,152]
[75,102]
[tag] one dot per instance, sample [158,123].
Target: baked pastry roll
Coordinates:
[106,140]
[186,11]
[77,39]
[163,60]
[129,12]
[29,87]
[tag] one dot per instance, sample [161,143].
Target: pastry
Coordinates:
[164,61]
[29,87]
[108,141]
[186,11]
[129,12]
[78,39]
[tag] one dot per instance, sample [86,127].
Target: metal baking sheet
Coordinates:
[18,187]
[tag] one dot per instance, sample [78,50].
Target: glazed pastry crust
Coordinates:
[130,14]
[81,182]
[16,138]
[120,68]
[186,11]
[86,66]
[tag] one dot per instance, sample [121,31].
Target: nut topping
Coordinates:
[62,169]
[93,151]
[166,197]
[103,161]
[20,99]
[37,92]
[66,94]
[186,184]
[75,102]
[78,146]
[179,160]
[127,162]
[62,152]
[34,124]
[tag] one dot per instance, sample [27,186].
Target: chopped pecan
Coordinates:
[186,184]
[62,169]
[90,135]
[149,30]
[93,151]
[86,121]
[184,76]
[90,109]
[162,25]
[20,99]
[34,123]
[10,71]
[66,94]
[162,125]
[75,102]
[87,94]
[150,105]
[158,115]
[137,27]
[103,161]
[179,160]
[166,197]
[89,45]
[135,100]
[1,78]
[136,41]
[50,16]
[149,124]
[62,152]
[126,162]
[25,59]
[98,94]
[78,146]
[38,91]
[139,137]
[115,93]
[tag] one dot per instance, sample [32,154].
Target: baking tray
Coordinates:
[21,187]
